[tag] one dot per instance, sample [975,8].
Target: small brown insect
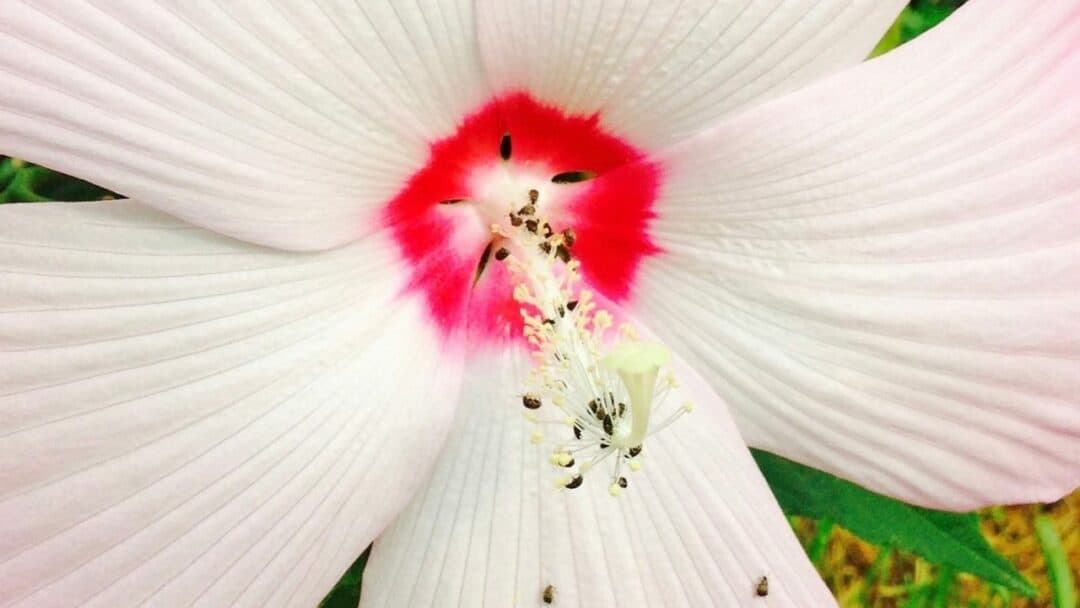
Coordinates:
[549,594]
[763,587]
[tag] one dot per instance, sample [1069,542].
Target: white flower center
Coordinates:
[608,386]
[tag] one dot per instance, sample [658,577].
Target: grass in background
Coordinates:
[863,575]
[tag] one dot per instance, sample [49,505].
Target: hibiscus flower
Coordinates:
[300,334]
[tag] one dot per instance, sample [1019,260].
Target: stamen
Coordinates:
[608,386]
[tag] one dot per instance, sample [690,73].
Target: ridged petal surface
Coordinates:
[187,420]
[881,273]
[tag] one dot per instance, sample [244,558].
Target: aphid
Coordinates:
[549,594]
[763,587]
[530,402]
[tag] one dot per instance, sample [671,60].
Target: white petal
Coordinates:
[882,273]
[185,418]
[697,526]
[285,125]
[659,71]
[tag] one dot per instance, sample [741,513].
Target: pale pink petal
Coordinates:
[881,273]
[697,526]
[659,71]
[285,124]
[187,418]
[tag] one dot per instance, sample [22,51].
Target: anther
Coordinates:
[531,402]
[575,482]
[534,195]
[622,482]
[532,225]
[529,209]
[502,254]
[515,219]
[609,426]
[563,254]
[452,201]
[568,237]
[571,305]
[634,451]
[596,410]
[577,431]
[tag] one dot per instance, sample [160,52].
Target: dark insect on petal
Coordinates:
[504,147]
[763,587]
[482,264]
[570,177]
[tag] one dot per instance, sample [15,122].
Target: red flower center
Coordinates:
[587,180]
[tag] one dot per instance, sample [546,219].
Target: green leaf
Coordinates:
[346,594]
[916,18]
[24,182]
[947,539]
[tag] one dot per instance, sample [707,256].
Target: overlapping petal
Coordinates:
[285,124]
[188,419]
[881,273]
[660,71]
[697,526]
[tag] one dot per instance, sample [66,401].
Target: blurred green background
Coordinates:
[891,563]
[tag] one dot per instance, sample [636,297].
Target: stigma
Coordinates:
[596,391]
